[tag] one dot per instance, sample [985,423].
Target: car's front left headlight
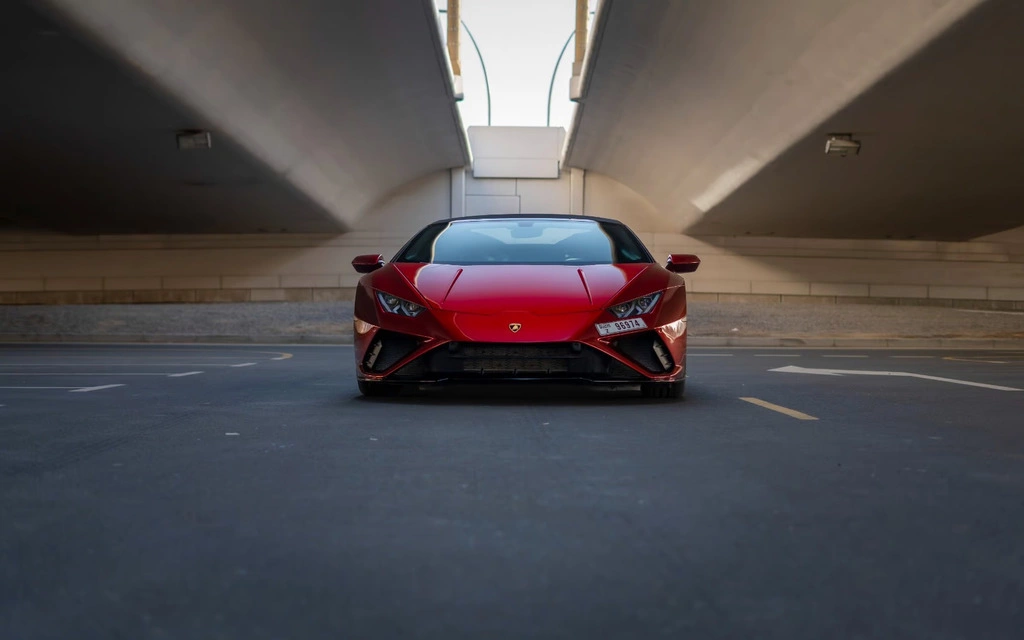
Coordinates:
[635,307]
[396,305]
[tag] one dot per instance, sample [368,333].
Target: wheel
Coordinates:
[378,389]
[663,389]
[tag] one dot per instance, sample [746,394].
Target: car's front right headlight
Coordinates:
[399,306]
[635,307]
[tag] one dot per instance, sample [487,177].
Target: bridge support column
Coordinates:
[577,182]
[458,201]
[581,48]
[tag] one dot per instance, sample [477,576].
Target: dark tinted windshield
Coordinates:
[525,241]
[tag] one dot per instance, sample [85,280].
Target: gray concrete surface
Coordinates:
[269,500]
[741,322]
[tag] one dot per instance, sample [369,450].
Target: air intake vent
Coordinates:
[647,350]
[387,349]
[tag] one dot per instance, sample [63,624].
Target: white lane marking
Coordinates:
[244,364]
[840,356]
[65,388]
[913,357]
[792,413]
[975,359]
[182,375]
[91,389]
[283,356]
[711,355]
[57,374]
[902,374]
[777,355]
[67,356]
[231,433]
[128,364]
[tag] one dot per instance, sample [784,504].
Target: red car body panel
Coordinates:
[519,304]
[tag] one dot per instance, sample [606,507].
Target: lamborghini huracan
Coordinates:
[522,297]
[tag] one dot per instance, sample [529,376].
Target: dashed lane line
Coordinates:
[54,374]
[7,365]
[952,359]
[842,356]
[68,389]
[50,388]
[792,413]
[183,375]
[91,389]
[710,355]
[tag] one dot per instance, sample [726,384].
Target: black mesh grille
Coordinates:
[640,348]
[516,360]
[387,349]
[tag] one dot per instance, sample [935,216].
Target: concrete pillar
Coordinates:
[581,36]
[454,22]
[581,49]
[577,183]
[458,200]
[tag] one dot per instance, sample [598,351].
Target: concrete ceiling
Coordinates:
[718,113]
[318,109]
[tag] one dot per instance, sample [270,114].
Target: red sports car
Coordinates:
[522,297]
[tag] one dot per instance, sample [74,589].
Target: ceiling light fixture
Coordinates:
[841,144]
[194,139]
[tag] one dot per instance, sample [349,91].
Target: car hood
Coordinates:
[538,289]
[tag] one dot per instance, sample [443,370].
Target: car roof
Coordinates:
[535,216]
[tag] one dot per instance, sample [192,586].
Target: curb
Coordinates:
[693,341]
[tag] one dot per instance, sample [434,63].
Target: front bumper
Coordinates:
[632,358]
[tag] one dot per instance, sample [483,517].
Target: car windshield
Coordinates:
[525,241]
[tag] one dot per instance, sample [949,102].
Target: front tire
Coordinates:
[378,389]
[663,390]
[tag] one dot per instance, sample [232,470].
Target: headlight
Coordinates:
[394,304]
[636,307]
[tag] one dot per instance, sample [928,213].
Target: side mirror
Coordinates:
[682,263]
[368,263]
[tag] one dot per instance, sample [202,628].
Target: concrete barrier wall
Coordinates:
[56,269]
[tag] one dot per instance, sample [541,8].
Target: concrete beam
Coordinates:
[685,102]
[343,100]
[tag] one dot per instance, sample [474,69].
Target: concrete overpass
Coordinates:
[718,113]
[335,132]
[317,109]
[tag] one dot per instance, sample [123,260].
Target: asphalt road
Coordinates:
[244,492]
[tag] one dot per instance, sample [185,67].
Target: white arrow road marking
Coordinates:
[902,374]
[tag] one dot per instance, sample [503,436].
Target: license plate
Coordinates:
[620,326]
